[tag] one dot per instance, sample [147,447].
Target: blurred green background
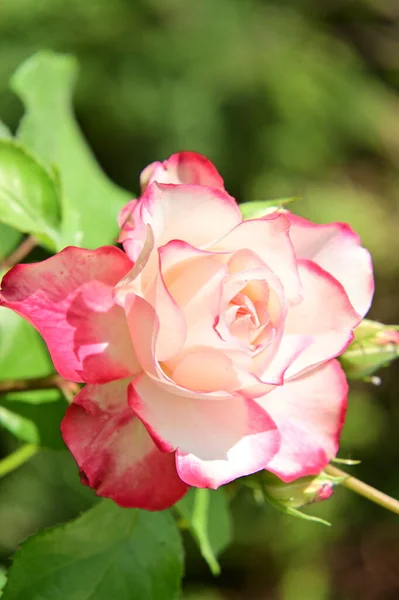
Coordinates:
[287,98]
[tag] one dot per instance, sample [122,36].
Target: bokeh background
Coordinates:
[287,98]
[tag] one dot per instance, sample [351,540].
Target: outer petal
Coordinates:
[68,298]
[114,452]
[192,213]
[336,248]
[183,167]
[320,327]
[269,239]
[218,440]
[309,412]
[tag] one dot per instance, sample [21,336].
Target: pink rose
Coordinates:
[207,348]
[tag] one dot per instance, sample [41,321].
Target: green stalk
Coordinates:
[365,490]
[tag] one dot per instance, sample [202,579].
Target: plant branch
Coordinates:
[19,254]
[365,490]
[68,388]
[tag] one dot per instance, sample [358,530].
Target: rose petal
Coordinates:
[68,298]
[182,168]
[337,249]
[172,331]
[218,440]
[317,329]
[144,327]
[247,456]
[309,412]
[114,452]
[269,239]
[196,214]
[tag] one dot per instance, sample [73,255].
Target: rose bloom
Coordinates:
[207,346]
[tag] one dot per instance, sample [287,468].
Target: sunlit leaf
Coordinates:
[109,552]
[91,201]
[5,133]
[23,355]
[260,208]
[29,199]
[9,239]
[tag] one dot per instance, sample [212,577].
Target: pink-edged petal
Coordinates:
[172,331]
[148,336]
[182,168]
[196,214]
[176,254]
[217,440]
[114,452]
[144,271]
[134,232]
[247,456]
[337,249]
[125,217]
[309,412]
[320,327]
[69,299]
[269,239]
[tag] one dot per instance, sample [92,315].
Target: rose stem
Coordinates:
[364,489]
[19,254]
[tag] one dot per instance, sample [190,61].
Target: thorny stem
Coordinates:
[363,489]
[68,388]
[19,254]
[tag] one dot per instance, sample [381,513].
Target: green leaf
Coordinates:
[17,458]
[9,240]
[109,552]
[35,423]
[3,580]
[22,351]
[5,133]
[24,429]
[206,514]
[29,198]
[23,354]
[260,208]
[32,416]
[45,85]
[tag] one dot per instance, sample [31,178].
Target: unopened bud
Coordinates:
[374,346]
[300,492]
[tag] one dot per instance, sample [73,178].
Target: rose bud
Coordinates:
[301,492]
[374,346]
